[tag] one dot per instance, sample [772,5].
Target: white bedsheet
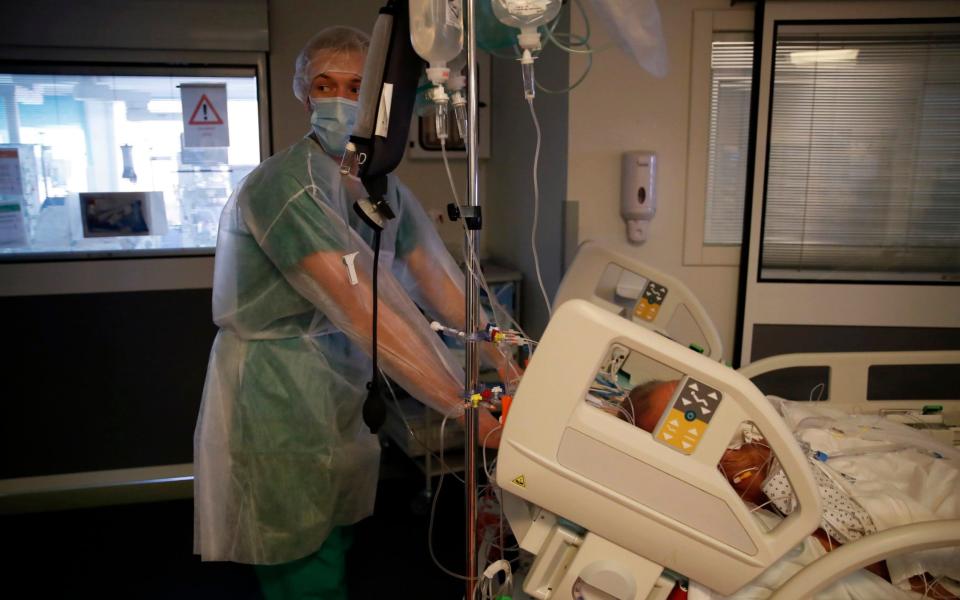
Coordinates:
[896,487]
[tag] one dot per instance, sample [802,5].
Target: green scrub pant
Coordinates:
[320,576]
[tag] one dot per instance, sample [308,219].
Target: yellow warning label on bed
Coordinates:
[520,480]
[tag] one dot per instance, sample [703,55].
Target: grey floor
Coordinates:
[145,550]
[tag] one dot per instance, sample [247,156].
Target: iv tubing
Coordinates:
[536,210]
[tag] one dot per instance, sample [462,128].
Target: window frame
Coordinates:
[828,276]
[706,23]
[191,269]
[915,305]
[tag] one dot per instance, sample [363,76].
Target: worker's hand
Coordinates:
[509,372]
[490,430]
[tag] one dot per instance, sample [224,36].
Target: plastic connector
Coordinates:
[505,402]
[348,163]
[529,39]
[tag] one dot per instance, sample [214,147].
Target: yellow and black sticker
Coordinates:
[520,480]
[650,302]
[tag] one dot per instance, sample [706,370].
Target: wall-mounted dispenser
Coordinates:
[638,198]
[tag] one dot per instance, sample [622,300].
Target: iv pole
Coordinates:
[472,371]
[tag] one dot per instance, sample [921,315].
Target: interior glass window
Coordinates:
[94,161]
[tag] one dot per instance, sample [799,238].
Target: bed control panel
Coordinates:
[650,302]
[683,424]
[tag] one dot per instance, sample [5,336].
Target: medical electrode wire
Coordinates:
[536,209]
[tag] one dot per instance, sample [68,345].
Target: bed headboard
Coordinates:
[865,381]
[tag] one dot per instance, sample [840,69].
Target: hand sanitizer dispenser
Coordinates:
[638,198]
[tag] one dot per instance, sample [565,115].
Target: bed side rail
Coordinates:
[849,377]
[848,558]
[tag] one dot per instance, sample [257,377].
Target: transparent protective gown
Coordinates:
[281,451]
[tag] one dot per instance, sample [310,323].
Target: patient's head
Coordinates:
[746,468]
[648,401]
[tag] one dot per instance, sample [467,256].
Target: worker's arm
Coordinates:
[409,351]
[309,243]
[434,280]
[445,293]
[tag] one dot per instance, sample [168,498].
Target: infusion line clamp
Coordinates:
[473,215]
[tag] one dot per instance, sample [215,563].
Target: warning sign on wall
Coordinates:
[204,108]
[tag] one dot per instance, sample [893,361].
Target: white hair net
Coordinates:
[337,44]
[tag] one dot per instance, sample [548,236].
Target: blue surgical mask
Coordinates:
[333,120]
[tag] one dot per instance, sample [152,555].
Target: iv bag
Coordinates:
[436,30]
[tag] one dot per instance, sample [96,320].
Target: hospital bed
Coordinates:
[606,507]
[618,283]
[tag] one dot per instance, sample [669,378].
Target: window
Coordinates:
[93,160]
[720,82]
[731,65]
[864,154]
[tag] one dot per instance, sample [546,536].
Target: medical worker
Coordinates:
[283,459]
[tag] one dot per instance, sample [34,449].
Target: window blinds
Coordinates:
[731,64]
[863,171]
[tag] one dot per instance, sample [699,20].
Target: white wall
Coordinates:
[292,23]
[619,108]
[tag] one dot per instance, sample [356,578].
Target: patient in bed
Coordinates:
[752,471]
[746,467]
